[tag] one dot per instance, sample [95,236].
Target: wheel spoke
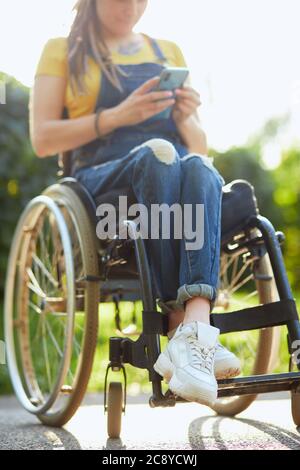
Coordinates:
[252,294]
[34,285]
[226,262]
[53,338]
[45,270]
[242,283]
[71,375]
[38,327]
[77,345]
[235,266]
[240,273]
[35,307]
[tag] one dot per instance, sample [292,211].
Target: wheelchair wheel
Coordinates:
[51,311]
[247,281]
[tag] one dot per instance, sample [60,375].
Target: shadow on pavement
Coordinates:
[35,437]
[224,433]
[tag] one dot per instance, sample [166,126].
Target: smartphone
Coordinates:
[170,79]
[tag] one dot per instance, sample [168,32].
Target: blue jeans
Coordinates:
[158,172]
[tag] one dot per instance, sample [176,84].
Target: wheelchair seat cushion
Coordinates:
[238,204]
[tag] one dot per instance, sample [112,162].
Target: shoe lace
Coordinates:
[203,356]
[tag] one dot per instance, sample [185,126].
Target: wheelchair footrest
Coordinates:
[259,384]
[251,385]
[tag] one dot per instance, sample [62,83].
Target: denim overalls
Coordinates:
[151,160]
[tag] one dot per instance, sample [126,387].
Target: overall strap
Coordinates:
[157,49]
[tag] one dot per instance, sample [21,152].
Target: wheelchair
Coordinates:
[59,273]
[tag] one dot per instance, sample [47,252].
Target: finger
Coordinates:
[157,95]
[186,109]
[192,100]
[163,104]
[181,92]
[188,88]
[185,88]
[160,105]
[186,105]
[145,87]
[153,109]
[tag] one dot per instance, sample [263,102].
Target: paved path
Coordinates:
[267,424]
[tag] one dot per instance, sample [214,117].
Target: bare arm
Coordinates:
[191,131]
[49,133]
[194,136]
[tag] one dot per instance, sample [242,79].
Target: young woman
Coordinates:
[125,135]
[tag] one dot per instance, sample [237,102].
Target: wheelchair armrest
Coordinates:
[64,164]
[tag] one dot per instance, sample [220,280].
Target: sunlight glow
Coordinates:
[243,56]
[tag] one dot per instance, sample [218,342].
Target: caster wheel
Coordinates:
[114,409]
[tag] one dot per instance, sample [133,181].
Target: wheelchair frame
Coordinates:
[144,352]
[282,312]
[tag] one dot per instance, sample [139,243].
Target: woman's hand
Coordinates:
[187,120]
[142,104]
[187,102]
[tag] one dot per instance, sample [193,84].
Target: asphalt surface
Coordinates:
[267,424]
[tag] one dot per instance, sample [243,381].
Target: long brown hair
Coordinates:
[85,40]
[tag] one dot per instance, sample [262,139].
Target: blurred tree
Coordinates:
[287,198]
[22,175]
[245,163]
[269,131]
[277,191]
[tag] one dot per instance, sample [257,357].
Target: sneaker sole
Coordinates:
[203,397]
[228,373]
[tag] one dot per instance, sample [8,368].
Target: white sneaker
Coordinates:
[227,365]
[190,356]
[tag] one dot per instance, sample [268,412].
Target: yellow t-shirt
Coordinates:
[53,61]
